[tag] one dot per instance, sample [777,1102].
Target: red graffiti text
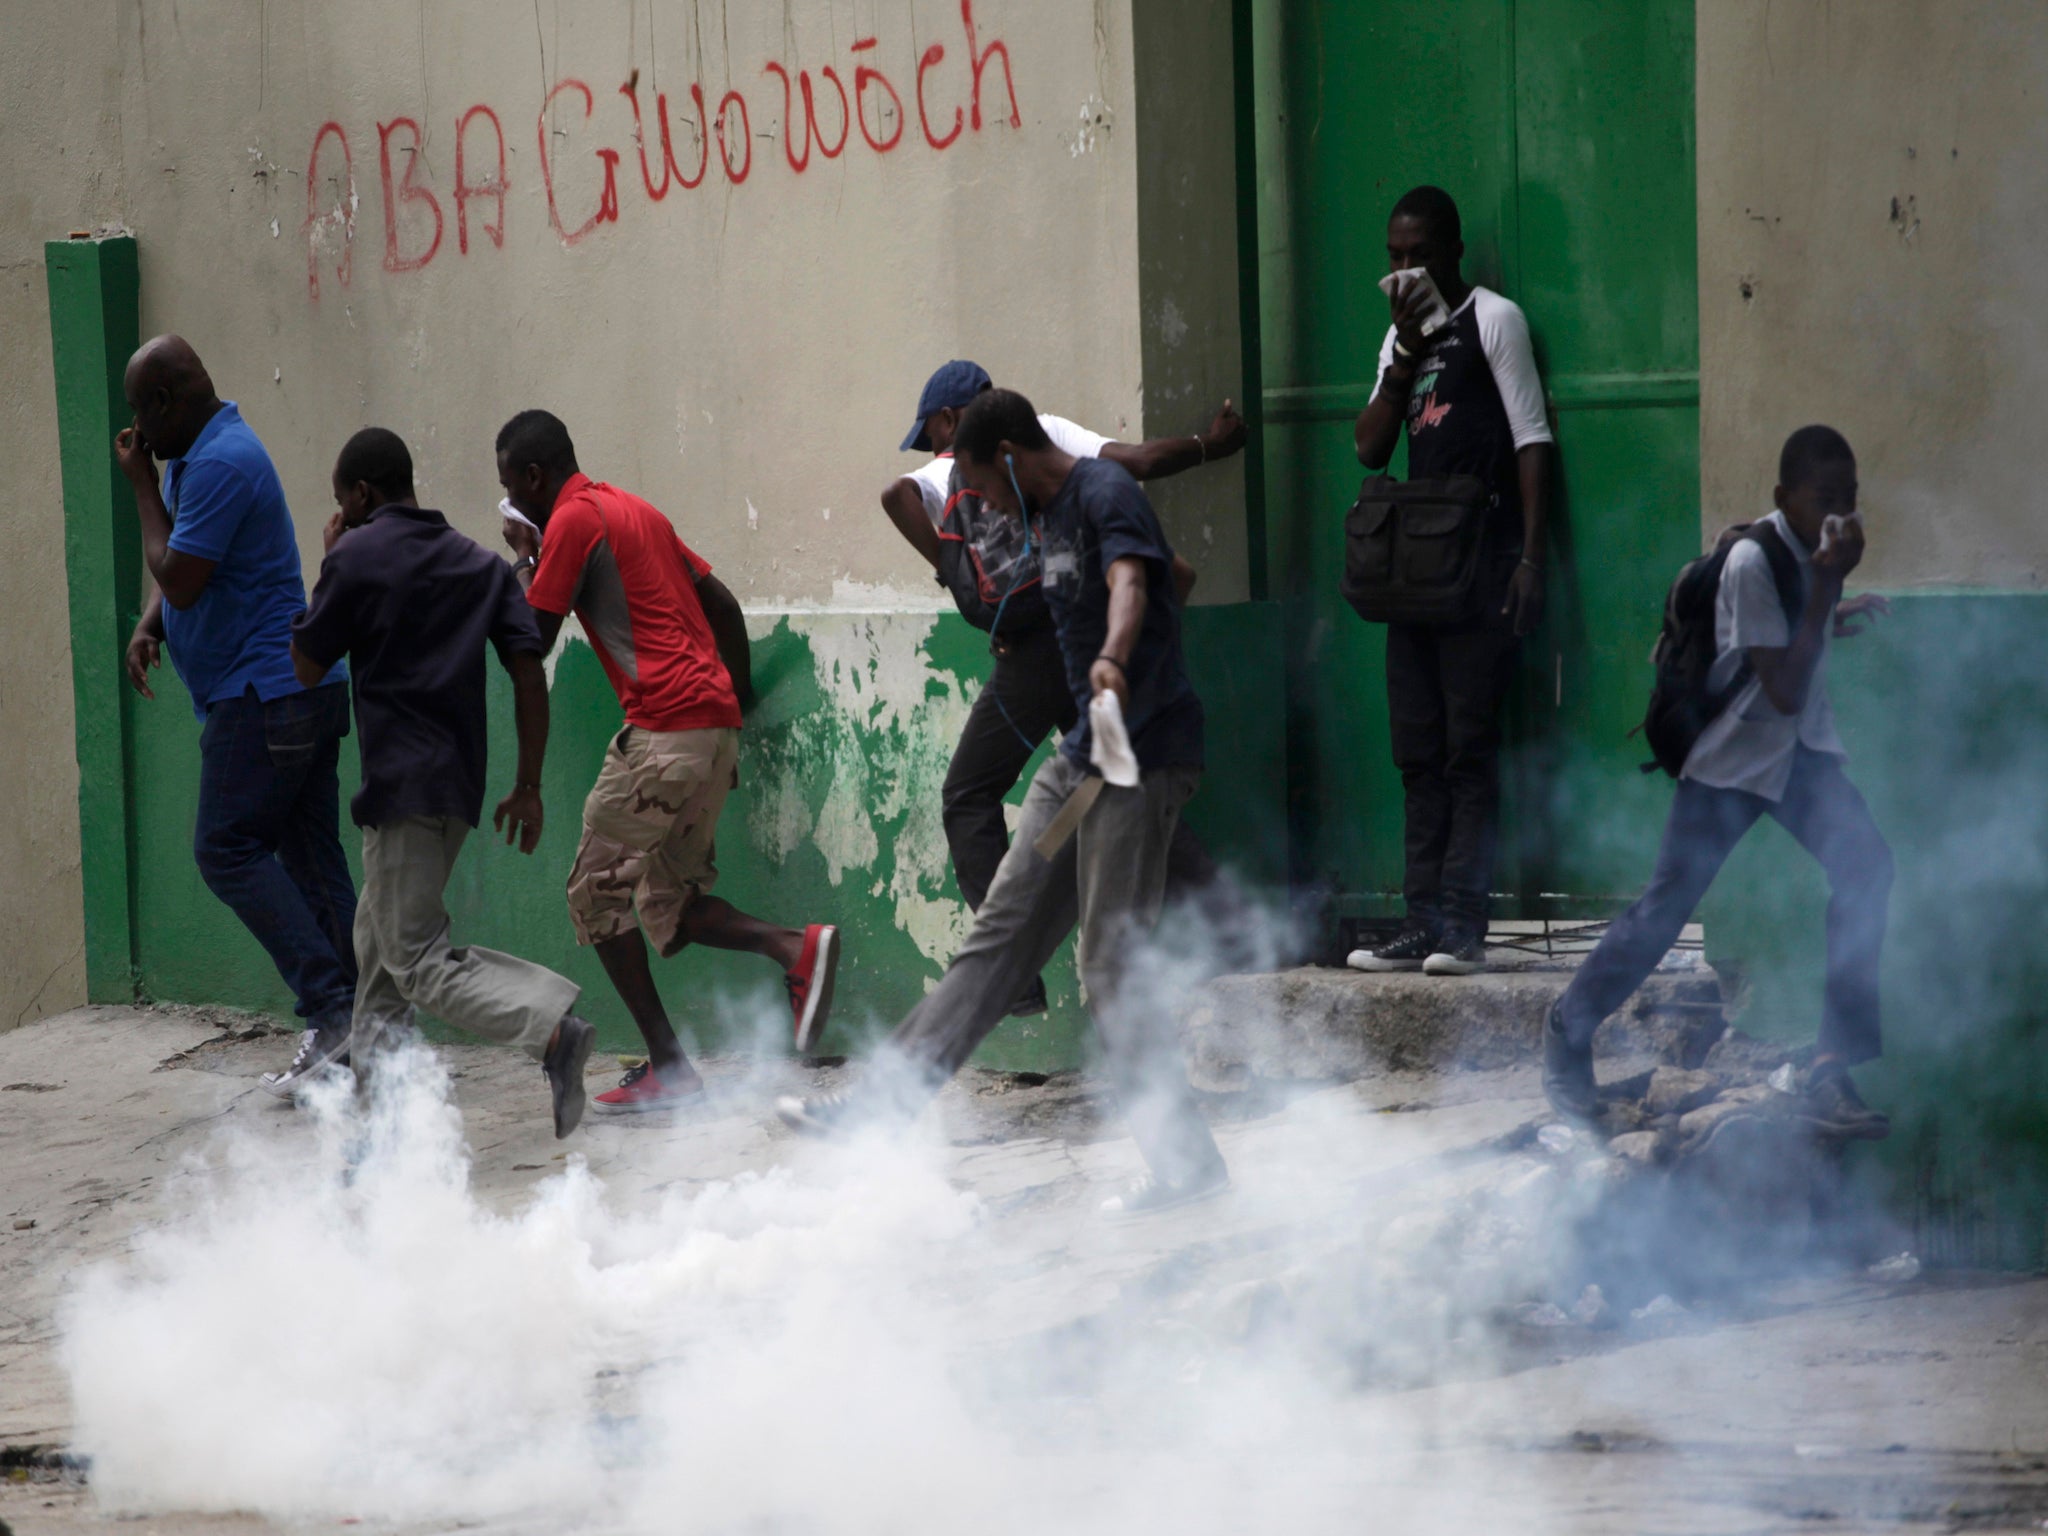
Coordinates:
[581,140]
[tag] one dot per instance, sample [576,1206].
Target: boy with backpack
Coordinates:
[1750,733]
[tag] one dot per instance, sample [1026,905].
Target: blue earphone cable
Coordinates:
[1016,581]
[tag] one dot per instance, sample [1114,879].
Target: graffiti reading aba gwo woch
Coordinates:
[679,148]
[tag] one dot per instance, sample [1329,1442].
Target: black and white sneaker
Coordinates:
[1405,953]
[1462,952]
[321,1046]
[1148,1194]
[826,1115]
[563,1065]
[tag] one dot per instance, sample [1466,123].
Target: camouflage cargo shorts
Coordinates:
[648,832]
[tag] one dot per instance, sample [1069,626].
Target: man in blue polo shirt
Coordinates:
[217,537]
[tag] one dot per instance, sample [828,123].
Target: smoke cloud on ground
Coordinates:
[896,1333]
[846,1341]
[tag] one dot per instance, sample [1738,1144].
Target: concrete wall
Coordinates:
[1187,233]
[1871,228]
[747,352]
[59,170]
[430,218]
[1871,219]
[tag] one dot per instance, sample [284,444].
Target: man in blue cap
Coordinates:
[992,571]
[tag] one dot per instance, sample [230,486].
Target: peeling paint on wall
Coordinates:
[1096,121]
[572,633]
[874,756]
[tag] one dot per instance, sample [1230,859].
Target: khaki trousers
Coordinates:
[406,961]
[1108,881]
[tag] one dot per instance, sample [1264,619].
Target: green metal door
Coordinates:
[1564,128]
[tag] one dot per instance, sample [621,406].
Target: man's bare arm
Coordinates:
[1107,674]
[179,577]
[145,646]
[1162,456]
[904,502]
[729,629]
[519,815]
[549,624]
[308,671]
[1378,430]
[1787,673]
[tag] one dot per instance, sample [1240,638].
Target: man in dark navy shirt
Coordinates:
[992,575]
[412,604]
[1086,851]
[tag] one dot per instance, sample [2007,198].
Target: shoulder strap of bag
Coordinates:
[1784,571]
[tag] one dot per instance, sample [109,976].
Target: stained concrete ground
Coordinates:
[1826,1401]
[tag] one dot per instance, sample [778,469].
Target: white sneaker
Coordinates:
[1147,1194]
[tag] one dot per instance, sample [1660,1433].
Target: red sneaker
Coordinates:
[810,985]
[640,1090]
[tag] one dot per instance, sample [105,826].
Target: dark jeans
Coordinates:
[1025,698]
[1445,688]
[268,840]
[1826,813]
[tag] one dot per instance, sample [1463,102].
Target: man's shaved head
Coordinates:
[170,393]
[167,362]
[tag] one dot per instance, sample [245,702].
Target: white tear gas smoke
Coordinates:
[848,1341]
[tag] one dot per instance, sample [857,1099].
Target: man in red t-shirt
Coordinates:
[674,644]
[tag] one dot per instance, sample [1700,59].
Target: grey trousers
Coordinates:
[405,960]
[1109,878]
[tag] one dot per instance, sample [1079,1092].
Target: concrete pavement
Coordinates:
[1371,1321]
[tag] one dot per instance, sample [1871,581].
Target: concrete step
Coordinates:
[1321,1024]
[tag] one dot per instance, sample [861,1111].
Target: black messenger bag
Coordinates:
[1415,551]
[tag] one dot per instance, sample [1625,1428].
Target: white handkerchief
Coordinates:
[517,516]
[1110,747]
[1831,528]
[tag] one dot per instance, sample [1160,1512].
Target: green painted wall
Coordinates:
[1564,129]
[94,306]
[836,819]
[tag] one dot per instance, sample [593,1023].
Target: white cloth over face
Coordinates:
[506,509]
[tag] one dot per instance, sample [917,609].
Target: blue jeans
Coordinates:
[268,838]
[1828,817]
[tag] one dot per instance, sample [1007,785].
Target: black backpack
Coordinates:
[988,562]
[1681,704]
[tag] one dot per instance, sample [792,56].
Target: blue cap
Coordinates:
[950,388]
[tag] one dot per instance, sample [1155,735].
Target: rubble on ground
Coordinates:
[1704,1178]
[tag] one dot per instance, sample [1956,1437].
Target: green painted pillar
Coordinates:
[94,324]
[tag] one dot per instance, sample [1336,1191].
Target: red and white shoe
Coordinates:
[640,1090]
[810,985]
